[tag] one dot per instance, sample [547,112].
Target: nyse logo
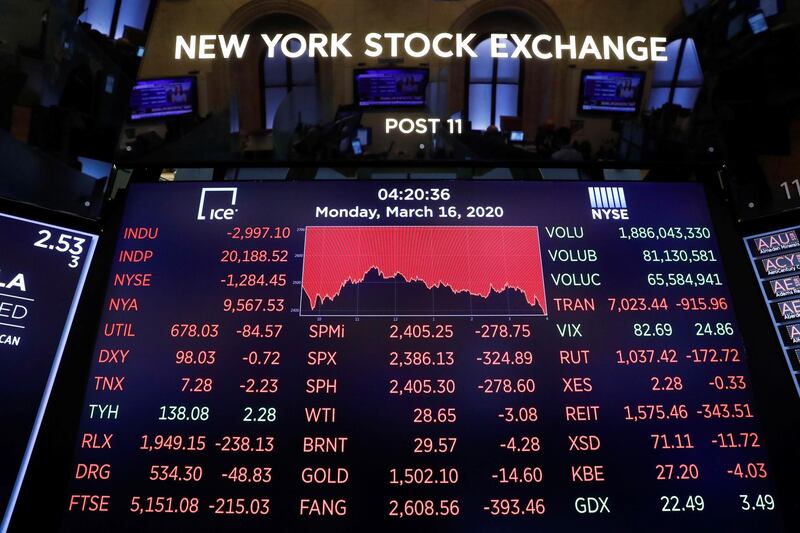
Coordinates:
[217,204]
[608,203]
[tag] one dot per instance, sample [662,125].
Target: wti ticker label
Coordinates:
[42,270]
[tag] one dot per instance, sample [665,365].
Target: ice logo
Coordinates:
[211,207]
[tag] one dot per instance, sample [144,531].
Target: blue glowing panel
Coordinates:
[481,68]
[132,13]
[691,72]
[480,105]
[99,14]
[506,103]
[272,100]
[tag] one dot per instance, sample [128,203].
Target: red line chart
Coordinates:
[422,271]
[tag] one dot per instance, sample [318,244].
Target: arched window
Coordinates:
[679,79]
[494,86]
[281,75]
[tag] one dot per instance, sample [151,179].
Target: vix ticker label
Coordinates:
[608,203]
[217,203]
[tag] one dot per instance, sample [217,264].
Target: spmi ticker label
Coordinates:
[608,203]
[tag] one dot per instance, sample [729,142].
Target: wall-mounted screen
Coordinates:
[390,87]
[614,92]
[758,22]
[381,356]
[42,272]
[161,98]
[776,261]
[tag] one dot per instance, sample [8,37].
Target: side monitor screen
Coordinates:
[404,87]
[605,91]
[42,272]
[152,99]
[374,356]
[776,260]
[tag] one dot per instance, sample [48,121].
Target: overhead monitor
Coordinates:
[611,92]
[758,22]
[396,356]
[42,273]
[162,98]
[390,87]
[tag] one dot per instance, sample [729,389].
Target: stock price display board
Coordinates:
[444,357]
[42,272]
[776,260]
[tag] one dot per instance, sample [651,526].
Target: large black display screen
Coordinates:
[42,272]
[430,357]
